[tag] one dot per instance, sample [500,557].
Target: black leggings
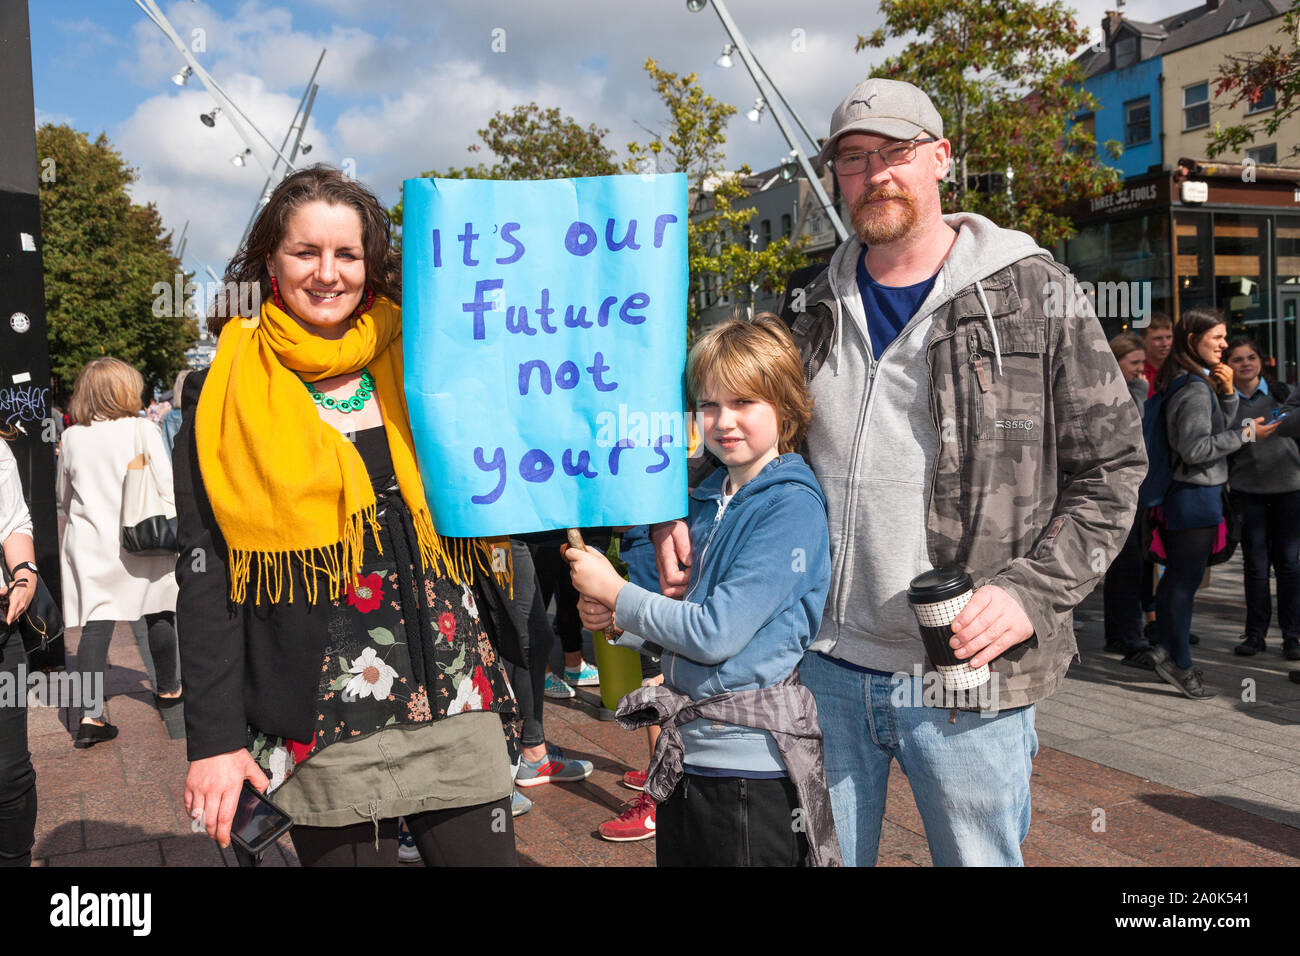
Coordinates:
[1187,552]
[17,776]
[529,615]
[92,651]
[482,835]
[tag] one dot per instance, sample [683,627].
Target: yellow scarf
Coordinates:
[289,492]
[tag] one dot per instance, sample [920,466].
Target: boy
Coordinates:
[755,602]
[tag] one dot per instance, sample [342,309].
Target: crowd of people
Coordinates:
[913,407]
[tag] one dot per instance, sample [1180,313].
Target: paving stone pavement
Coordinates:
[1129,773]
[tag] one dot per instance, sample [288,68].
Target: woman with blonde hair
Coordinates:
[102,582]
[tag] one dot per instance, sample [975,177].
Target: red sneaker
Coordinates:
[634,779]
[637,822]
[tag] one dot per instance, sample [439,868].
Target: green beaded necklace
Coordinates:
[347,405]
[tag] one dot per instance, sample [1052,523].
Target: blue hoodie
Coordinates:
[758,586]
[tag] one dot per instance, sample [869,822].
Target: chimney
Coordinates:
[1109,25]
[1213,4]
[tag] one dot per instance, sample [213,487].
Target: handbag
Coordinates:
[148,516]
[42,623]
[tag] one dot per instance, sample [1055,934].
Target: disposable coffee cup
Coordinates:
[937,597]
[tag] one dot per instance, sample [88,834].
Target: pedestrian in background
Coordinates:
[1126,583]
[103,583]
[1264,477]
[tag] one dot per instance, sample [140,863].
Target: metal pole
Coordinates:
[308,97]
[752,66]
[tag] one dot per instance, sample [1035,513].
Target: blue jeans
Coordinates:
[970,779]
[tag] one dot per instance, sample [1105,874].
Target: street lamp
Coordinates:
[210,119]
[238,159]
[755,69]
[306,148]
[182,77]
[724,60]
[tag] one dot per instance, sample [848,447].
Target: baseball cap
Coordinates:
[889,108]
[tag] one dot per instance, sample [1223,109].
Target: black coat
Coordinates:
[256,664]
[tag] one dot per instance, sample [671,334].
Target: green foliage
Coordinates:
[102,256]
[1247,77]
[723,262]
[532,143]
[1000,73]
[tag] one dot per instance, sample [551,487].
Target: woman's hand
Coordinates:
[212,790]
[20,592]
[1221,376]
[593,575]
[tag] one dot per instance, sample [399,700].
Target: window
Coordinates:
[785,225]
[1124,52]
[767,233]
[1237,21]
[1137,121]
[1196,105]
[1266,102]
[1264,154]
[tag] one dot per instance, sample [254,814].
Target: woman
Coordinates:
[1265,481]
[1126,580]
[17,776]
[102,582]
[337,649]
[1201,423]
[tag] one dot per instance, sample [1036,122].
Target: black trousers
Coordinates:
[529,613]
[482,835]
[730,821]
[1122,594]
[17,776]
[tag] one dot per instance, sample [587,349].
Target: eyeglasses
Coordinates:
[895,154]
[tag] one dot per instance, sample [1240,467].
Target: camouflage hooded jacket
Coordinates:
[1040,453]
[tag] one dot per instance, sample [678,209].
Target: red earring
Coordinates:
[370,300]
[275,293]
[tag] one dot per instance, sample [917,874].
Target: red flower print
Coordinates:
[366,593]
[483,687]
[447,625]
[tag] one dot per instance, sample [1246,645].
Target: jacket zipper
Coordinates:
[713,531]
[744,821]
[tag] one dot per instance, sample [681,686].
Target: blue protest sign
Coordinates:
[544,330]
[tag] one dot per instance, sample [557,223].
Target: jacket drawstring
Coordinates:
[372,813]
[988,317]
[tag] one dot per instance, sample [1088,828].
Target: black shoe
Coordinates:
[166,703]
[1250,645]
[90,734]
[1193,639]
[1142,659]
[1291,650]
[1149,632]
[1187,681]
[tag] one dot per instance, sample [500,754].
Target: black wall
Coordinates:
[24,356]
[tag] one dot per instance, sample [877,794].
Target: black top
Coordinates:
[258,663]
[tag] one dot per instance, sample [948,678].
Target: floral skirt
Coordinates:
[405,646]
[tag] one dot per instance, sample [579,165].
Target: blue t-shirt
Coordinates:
[888,308]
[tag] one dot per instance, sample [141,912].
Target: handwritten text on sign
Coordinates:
[536,315]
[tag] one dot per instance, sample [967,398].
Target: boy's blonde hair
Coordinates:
[756,359]
[107,388]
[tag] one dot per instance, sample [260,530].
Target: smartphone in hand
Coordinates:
[258,822]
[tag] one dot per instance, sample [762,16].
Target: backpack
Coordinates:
[1160,466]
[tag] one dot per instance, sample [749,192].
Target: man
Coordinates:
[1157,340]
[969,414]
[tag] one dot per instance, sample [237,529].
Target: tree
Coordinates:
[1001,75]
[1249,76]
[723,261]
[102,256]
[532,143]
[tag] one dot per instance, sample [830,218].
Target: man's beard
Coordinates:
[885,223]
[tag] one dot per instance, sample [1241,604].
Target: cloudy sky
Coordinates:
[405,83]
